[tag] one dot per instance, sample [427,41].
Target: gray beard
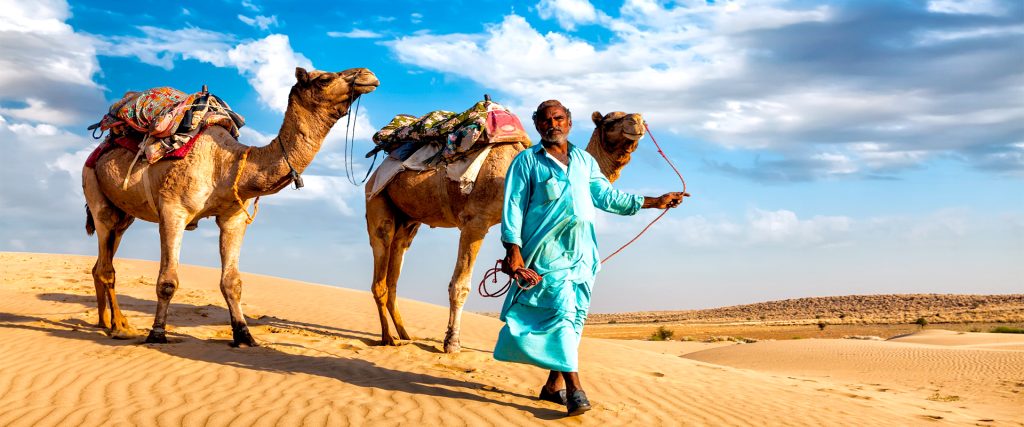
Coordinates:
[561,139]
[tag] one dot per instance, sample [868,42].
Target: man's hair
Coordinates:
[548,104]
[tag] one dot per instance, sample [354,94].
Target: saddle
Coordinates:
[163,121]
[454,134]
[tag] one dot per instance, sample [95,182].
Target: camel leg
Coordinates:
[380,226]
[172,226]
[104,279]
[232,231]
[404,233]
[458,289]
[110,223]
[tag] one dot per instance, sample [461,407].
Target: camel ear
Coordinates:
[598,117]
[301,75]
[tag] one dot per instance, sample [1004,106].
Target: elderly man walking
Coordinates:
[551,192]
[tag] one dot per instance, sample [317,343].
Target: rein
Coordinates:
[350,147]
[493,272]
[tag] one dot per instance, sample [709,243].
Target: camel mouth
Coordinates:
[633,136]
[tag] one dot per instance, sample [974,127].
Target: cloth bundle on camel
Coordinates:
[443,139]
[163,122]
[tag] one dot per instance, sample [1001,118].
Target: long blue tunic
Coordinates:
[549,212]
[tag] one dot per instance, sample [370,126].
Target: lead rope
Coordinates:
[493,272]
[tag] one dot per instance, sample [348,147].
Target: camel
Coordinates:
[428,197]
[200,185]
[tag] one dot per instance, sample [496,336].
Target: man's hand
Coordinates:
[514,266]
[667,200]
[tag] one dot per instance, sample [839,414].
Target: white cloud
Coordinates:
[416,17]
[335,191]
[251,5]
[161,47]
[969,7]
[356,33]
[269,65]
[45,65]
[260,21]
[701,71]
[783,226]
[569,13]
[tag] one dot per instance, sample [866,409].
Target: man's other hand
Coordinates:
[666,201]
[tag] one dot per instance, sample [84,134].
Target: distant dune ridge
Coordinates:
[849,309]
[319,364]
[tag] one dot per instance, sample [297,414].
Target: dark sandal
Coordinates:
[553,397]
[577,404]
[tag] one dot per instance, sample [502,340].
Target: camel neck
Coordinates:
[611,165]
[300,138]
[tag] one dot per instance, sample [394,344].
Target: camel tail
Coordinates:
[90,226]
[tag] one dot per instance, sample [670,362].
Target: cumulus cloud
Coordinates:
[569,13]
[847,89]
[46,68]
[268,63]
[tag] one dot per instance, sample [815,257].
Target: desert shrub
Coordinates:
[922,322]
[822,325]
[612,322]
[662,334]
[1007,330]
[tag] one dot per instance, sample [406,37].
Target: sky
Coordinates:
[832,148]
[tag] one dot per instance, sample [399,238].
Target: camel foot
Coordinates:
[156,337]
[241,338]
[124,333]
[388,341]
[452,345]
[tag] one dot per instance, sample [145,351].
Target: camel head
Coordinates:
[332,92]
[620,132]
[615,138]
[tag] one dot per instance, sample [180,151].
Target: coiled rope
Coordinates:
[493,272]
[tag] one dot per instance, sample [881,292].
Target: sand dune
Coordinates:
[319,365]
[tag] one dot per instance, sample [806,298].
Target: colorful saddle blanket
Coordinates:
[457,143]
[163,111]
[456,134]
[163,121]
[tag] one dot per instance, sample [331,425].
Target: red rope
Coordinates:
[493,273]
[655,141]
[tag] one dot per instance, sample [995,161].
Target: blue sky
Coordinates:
[832,148]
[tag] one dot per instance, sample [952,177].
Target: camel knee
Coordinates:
[103,273]
[231,285]
[166,289]
[380,293]
[457,293]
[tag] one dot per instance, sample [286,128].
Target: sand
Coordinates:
[319,365]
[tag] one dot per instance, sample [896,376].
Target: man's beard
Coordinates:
[555,138]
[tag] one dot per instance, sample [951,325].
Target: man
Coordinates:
[547,227]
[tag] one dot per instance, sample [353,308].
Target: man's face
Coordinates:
[553,125]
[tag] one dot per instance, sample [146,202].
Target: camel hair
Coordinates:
[200,185]
[429,197]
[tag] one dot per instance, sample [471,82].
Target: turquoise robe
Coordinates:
[550,212]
